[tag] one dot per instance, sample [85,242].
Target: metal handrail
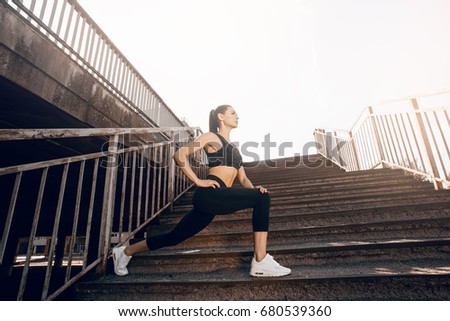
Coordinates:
[69,26]
[99,199]
[414,139]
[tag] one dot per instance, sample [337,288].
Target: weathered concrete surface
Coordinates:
[35,64]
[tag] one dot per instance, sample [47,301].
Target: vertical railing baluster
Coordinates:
[446,143]
[131,206]
[10,215]
[154,155]
[424,138]
[139,196]
[90,213]
[109,196]
[417,146]
[54,241]
[171,170]
[433,138]
[34,226]
[124,189]
[75,221]
[147,183]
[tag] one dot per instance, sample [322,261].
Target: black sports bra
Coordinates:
[228,155]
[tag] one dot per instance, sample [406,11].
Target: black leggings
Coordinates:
[209,202]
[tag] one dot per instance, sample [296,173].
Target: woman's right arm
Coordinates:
[181,158]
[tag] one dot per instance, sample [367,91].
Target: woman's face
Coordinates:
[229,118]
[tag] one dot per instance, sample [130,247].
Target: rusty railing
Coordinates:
[61,217]
[413,137]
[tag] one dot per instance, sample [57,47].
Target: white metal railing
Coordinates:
[68,26]
[407,136]
[89,200]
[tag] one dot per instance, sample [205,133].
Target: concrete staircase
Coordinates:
[369,235]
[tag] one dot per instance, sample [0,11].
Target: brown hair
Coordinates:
[214,120]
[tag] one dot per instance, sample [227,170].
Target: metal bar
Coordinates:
[80,41]
[396,147]
[390,141]
[147,184]
[160,176]
[75,30]
[363,148]
[115,69]
[355,153]
[75,221]
[154,155]
[91,46]
[41,14]
[61,18]
[133,176]
[90,212]
[9,217]
[61,161]
[435,143]
[166,174]
[442,134]
[88,39]
[422,163]
[171,172]
[52,15]
[32,7]
[48,273]
[110,63]
[139,205]
[108,204]
[122,197]
[66,35]
[387,146]
[408,140]
[97,50]
[424,137]
[72,281]
[37,212]
[158,203]
[101,56]
[403,137]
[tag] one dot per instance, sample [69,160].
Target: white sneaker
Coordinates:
[268,267]
[121,261]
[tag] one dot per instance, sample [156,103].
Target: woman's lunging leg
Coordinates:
[192,223]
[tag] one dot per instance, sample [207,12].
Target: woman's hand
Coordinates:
[261,189]
[208,183]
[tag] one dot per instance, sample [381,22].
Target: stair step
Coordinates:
[328,203]
[426,228]
[306,254]
[242,220]
[414,270]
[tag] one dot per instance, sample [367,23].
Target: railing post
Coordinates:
[377,136]
[358,166]
[171,170]
[108,203]
[429,156]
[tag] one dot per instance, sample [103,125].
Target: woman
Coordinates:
[215,196]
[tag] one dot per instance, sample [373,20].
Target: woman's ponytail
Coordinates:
[213,121]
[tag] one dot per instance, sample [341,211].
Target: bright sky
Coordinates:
[286,66]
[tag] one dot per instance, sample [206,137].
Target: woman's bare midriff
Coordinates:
[226,173]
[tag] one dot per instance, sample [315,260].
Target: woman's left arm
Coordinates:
[245,181]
